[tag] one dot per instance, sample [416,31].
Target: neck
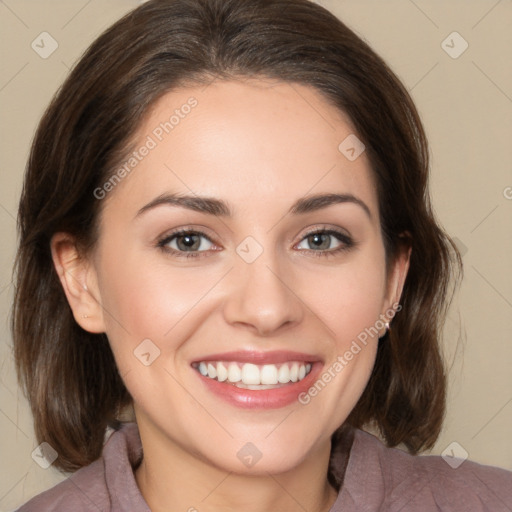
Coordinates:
[193,484]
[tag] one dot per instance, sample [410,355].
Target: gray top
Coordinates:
[372,478]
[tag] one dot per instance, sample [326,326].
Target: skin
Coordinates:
[259,146]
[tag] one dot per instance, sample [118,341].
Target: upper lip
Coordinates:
[258,357]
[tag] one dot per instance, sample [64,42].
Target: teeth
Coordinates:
[222,372]
[284,374]
[252,386]
[212,371]
[252,376]
[294,372]
[234,373]
[203,369]
[269,374]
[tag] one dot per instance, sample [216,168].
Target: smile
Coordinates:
[257,380]
[253,376]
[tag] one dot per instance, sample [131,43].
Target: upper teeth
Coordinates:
[253,374]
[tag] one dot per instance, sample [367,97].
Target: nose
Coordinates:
[261,297]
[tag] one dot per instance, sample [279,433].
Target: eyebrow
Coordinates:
[207,205]
[220,208]
[317,202]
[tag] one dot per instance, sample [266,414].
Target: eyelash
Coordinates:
[347,243]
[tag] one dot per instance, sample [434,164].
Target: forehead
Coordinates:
[241,140]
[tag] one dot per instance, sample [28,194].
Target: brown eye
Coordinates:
[186,241]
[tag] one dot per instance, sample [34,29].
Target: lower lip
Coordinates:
[265,398]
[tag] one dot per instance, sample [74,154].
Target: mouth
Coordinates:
[253,376]
[257,379]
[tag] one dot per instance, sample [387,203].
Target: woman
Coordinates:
[225,224]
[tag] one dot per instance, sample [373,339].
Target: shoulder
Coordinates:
[390,479]
[82,491]
[106,484]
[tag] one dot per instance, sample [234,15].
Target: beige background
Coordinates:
[466,105]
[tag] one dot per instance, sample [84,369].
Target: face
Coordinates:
[239,262]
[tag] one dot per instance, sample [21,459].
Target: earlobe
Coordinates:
[78,280]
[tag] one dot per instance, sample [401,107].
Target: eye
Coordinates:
[186,242]
[327,241]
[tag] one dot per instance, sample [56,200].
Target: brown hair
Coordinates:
[68,374]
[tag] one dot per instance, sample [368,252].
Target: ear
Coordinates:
[79,281]
[397,274]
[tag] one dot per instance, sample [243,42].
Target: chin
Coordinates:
[261,456]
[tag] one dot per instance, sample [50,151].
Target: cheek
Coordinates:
[144,299]
[144,296]
[349,299]
[349,302]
